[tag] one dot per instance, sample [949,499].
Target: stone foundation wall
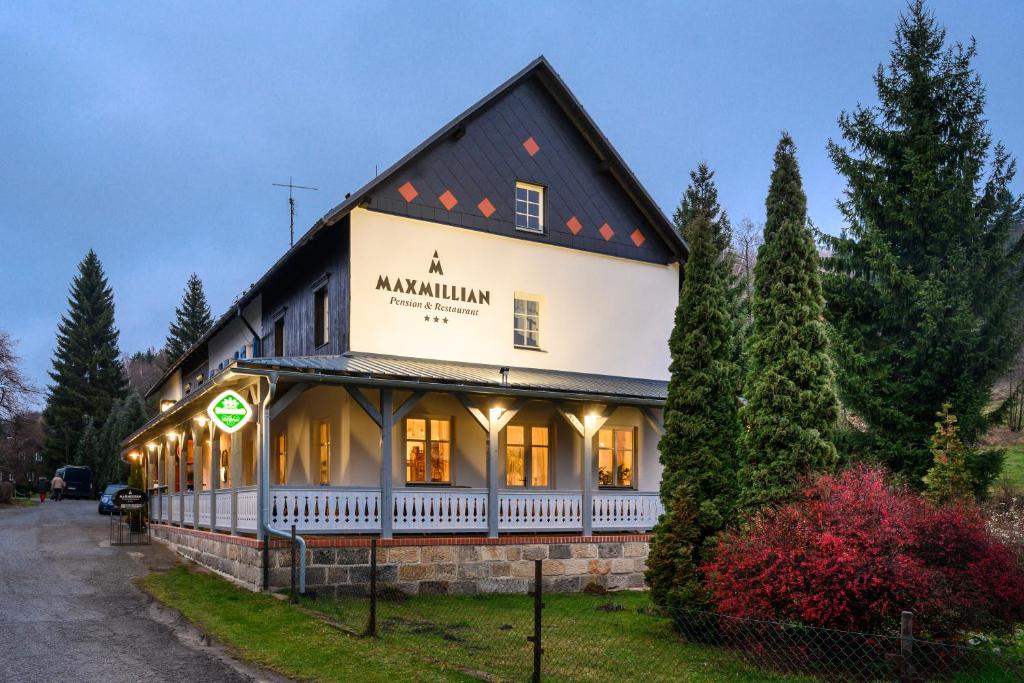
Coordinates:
[426,565]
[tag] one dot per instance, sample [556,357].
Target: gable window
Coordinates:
[282,458]
[279,337]
[529,207]
[324,447]
[320,317]
[615,456]
[527,459]
[526,322]
[428,450]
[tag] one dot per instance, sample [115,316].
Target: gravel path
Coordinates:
[68,609]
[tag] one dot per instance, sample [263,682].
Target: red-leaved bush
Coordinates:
[853,552]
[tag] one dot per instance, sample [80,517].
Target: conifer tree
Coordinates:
[191,319]
[701,199]
[924,286]
[125,417]
[698,447]
[87,374]
[791,403]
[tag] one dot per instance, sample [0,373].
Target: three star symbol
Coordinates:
[426,318]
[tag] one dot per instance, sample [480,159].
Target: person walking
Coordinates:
[42,485]
[57,486]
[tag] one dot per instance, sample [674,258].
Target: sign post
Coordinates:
[130,527]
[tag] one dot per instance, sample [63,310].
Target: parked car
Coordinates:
[107,506]
[77,481]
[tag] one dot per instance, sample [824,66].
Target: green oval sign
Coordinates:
[229,411]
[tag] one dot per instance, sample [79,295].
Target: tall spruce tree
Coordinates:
[924,286]
[124,418]
[191,319]
[698,447]
[87,374]
[791,402]
[701,199]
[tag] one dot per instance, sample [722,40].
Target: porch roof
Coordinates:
[381,367]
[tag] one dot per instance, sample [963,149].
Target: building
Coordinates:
[469,350]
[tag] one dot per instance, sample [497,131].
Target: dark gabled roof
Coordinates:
[546,75]
[380,367]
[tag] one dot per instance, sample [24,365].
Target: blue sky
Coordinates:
[152,132]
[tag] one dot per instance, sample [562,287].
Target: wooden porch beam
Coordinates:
[281,404]
[509,413]
[478,415]
[570,417]
[408,405]
[365,404]
[656,424]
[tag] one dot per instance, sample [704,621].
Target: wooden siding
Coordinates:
[291,292]
[486,158]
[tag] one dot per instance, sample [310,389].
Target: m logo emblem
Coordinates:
[435,265]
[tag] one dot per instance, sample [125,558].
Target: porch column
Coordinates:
[385,418]
[214,474]
[587,428]
[182,476]
[197,469]
[236,477]
[387,432]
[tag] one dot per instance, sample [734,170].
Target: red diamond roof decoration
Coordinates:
[408,192]
[637,237]
[574,225]
[486,208]
[606,232]
[448,200]
[531,146]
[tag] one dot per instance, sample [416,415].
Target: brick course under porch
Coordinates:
[414,565]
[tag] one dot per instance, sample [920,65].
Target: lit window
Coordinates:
[615,452]
[526,322]
[324,444]
[320,317]
[529,207]
[428,450]
[225,461]
[282,457]
[526,456]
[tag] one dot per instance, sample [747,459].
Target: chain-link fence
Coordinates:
[621,636]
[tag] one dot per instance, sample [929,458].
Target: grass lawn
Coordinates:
[586,638]
[1013,466]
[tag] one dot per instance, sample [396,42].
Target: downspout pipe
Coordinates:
[257,352]
[264,492]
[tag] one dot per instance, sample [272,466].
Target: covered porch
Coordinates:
[365,444]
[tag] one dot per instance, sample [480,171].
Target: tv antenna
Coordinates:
[291,206]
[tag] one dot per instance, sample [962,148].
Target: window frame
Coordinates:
[426,446]
[321,316]
[528,299]
[528,447]
[529,187]
[323,450]
[615,456]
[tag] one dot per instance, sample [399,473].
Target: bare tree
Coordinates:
[16,392]
[746,240]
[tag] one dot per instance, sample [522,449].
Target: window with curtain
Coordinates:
[428,450]
[527,455]
[615,456]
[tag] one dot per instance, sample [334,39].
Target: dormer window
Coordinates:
[529,207]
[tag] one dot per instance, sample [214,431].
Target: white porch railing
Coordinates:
[626,510]
[321,508]
[172,507]
[540,510]
[444,510]
[223,509]
[204,509]
[187,506]
[248,509]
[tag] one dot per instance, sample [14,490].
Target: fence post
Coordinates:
[538,606]
[906,646]
[294,596]
[371,626]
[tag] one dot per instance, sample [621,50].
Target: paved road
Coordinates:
[68,609]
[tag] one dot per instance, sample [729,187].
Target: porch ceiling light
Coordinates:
[590,419]
[172,435]
[202,420]
[495,413]
[151,446]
